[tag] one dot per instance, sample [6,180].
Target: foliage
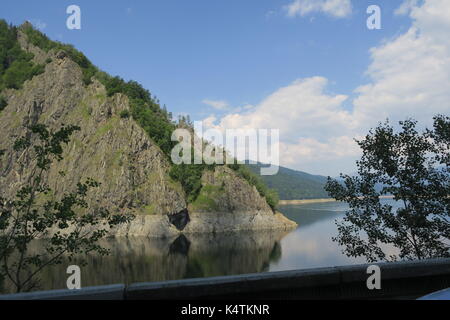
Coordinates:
[144,108]
[40,40]
[3,103]
[19,72]
[16,65]
[22,220]
[189,176]
[206,200]
[292,184]
[156,123]
[124,114]
[413,167]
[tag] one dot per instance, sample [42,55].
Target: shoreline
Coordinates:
[304,201]
[311,201]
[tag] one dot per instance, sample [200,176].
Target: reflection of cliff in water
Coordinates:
[147,260]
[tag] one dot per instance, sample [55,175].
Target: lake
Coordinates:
[192,256]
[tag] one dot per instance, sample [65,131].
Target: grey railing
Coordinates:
[399,280]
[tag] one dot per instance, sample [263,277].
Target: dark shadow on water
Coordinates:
[180,245]
[187,256]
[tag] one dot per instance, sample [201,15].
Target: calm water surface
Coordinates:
[142,260]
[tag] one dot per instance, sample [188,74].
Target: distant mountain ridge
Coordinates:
[294,185]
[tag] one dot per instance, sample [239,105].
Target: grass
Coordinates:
[109,125]
[149,210]
[206,200]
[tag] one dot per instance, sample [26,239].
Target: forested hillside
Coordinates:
[16,65]
[294,185]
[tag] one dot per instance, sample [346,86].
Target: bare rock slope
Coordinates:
[118,153]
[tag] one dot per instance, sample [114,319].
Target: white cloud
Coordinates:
[335,8]
[216,104]
[411,74]
[313,124]
[328,157]
[409,77]
[406,7]
[298,109]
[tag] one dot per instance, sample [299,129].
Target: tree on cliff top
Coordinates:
[412,166]
[25,218]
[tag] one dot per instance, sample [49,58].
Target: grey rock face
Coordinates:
[233,194]
[228,203]
[119,154]
[112,150]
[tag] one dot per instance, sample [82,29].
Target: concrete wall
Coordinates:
[400,280]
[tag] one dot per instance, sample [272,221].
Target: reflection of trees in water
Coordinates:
[190,256]
[235,253]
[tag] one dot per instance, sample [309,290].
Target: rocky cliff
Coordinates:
[118,153]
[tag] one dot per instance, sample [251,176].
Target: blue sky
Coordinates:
[237,53]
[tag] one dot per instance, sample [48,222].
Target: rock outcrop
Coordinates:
[227,202]
[118,153]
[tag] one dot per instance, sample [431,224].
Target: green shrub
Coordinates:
[144,108]
[40,40]
[270,195]
[19,72]
[16,65]
[3,103]
[189,175]
[206,200]
[124,114]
